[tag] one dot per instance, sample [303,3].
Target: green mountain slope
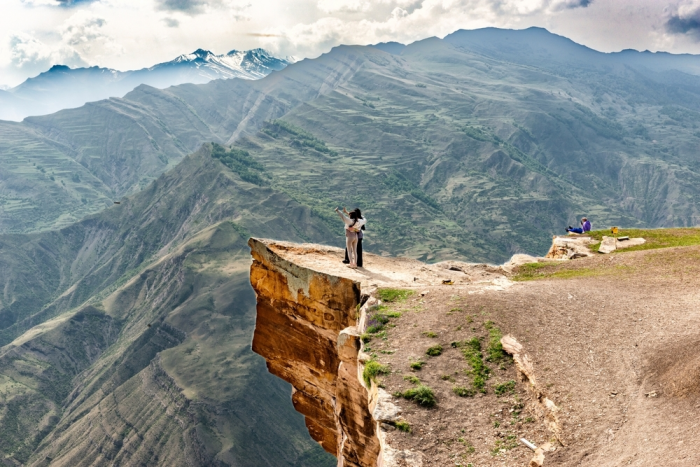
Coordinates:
[58,168]
[145,309]
[478,119]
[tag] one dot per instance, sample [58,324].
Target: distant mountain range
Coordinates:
[63,87]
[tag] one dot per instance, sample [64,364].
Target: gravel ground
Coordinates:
[616,346]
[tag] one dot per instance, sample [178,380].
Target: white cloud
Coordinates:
[33,55]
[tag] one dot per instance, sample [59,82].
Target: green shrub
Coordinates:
[394,295]
[421,395]
[434,351]
[403,425]
[366,338]
[502,388]
[412,379]
[373,369]
[417,365]
[299,137]
[463,392]
[240,162]
[429,334]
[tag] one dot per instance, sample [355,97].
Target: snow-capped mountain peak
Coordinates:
[62,87]
[248,64]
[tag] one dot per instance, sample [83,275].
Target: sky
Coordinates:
[132,34]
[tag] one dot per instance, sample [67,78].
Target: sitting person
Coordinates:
[585,227]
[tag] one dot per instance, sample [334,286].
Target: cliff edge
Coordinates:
[591,362]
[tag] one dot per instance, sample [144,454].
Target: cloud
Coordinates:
[171,22]
[372,21]
[259,34]
[81,35]
[58,3]
[33,55]
[685,19]
[186,6]
[197,7]
[81,29]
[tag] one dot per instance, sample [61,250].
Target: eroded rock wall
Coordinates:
[305,330]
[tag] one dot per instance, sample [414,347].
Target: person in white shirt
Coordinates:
[353,226]
[361,222]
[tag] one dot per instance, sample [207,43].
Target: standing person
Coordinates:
[361,222]
[350,236]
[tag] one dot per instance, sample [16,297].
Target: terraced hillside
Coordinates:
[508,131]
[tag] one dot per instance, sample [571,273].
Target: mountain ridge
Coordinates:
[63,87]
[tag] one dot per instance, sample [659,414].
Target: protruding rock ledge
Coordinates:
[308,330]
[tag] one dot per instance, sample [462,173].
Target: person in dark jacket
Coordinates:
[361,222]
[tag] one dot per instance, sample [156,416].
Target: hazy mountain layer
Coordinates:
[62,87]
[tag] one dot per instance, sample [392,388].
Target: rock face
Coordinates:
[610,244]
[306,331]
[570,247]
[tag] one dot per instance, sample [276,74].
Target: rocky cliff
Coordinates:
[311,311]
[472,358]
[306,331]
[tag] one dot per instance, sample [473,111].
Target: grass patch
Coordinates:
[394,295]
[421,395]
[412,379]
[372,370]
[563,270]
[402,425]
[416,365]
[463,392]
[504,388]
[471,350]
[376,323]
[503,445]
[429,334]
[434,351]
[655,238]
[495,348]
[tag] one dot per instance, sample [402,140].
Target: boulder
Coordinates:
[608,245]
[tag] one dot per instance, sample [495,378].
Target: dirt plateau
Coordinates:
[607,363]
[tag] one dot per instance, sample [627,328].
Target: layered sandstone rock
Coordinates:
[310,316]
[570,247]
[305,329]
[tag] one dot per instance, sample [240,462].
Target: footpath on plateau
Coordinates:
[592,360]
